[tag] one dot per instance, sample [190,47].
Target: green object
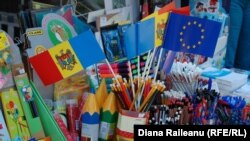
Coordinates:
[50,126]
[26,98]
[58,31]
[108,126]
[91,84]
[108,117]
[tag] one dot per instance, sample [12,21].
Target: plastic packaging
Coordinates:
[73,114]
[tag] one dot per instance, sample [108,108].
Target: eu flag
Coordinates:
[191,35]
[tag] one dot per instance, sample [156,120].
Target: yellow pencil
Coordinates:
[101,93]
[150,94]
[136,96]
[110,104]
[91,106]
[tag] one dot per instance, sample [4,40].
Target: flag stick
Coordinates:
[149,55]
[138,68]
[146,65]
[143,75]
[158,64]
[135,98]
[147,73]
[131,79]
[150,63]
[112,71]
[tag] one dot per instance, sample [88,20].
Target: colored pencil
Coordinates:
[111,75]
[117,71]
[119,96]
[114,66]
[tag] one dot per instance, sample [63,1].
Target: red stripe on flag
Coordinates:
[46,68]
[183,10]
[167,8]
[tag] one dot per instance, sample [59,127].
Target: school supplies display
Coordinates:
[74,74]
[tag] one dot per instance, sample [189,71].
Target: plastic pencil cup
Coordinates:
[126,122]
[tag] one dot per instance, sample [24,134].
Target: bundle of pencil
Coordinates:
[137,95]
[120,68]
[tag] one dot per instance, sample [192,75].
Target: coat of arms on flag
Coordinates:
[66,60]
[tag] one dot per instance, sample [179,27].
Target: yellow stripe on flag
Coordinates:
[160,23]
[65,59]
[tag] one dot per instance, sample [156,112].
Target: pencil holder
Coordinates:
[126,121]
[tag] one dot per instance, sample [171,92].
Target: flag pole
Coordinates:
[147,73]
[139,86]
[112,71]
[131,78]
[149,56]
[150,63]
[158,64]
[138,69]
[146,65]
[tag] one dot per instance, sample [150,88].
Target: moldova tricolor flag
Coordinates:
[67,58]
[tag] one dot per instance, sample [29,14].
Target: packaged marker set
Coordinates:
[112,43]
[121,30]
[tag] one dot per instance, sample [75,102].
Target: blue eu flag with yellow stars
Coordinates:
[191,35]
